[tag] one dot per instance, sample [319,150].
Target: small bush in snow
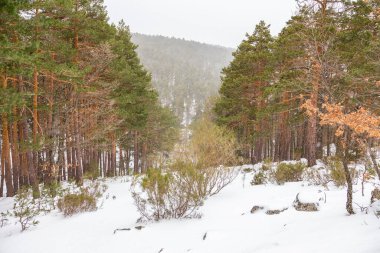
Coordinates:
[316,176]
[289,172]
[84,200]
[259,178]
[267,164]
[49,195]
[25,209]
[4,218]
[336,169]
[167,195]
[337,174]
[76,203]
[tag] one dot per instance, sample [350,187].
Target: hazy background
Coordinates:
[219,22]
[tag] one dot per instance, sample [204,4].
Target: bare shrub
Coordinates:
[213,152]
[161,195]
[200,169]
[4,218]
[316,176]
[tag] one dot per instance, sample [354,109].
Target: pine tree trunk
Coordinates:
[22,156]
[128,159]
[136,154]
[144,157]
[312,119]
[113,155]
[2,172]
[79,172]
[50,157]
[15,153]
[285,134]
[33,173]
[121,163]
[6,149]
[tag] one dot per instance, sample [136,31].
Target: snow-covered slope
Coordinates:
[226,226]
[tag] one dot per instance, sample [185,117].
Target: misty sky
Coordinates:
[219,22]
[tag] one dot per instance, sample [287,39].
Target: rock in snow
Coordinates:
[254,209]
[308,201]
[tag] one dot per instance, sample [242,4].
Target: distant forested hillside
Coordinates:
[185,73]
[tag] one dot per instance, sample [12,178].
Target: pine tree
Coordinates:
[242,89]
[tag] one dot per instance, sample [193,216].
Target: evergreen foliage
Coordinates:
[74,97]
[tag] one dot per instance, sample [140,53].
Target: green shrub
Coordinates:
[287,172]
[337,173]
[92,172]
[76,203]
[247,170]
[80,200]
[265,167]
[267,164]
[259,178]
[48,197]
[25,209]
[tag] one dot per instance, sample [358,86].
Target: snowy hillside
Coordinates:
[227,224]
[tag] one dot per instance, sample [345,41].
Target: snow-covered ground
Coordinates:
[227,225]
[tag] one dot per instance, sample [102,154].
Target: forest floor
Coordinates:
[227,225]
